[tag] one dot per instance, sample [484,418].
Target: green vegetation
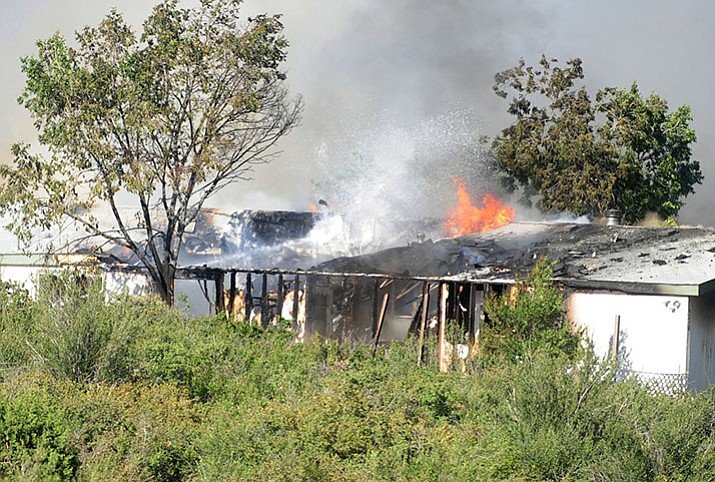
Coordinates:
[623,151]
[529,320]
[132,390]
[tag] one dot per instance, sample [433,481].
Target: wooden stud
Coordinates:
[232,292]
[264,300]
[381,319]
[219,294]
[279,302]
[441,341]
[423,321]
[249,297]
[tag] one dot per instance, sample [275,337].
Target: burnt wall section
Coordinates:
[339,308]
[363,308]
[256,229]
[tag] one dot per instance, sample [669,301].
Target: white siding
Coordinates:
[127,282]
[25,276]
[653,329]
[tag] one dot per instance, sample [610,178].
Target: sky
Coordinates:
[397,93]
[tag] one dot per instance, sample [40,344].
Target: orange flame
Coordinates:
[464,218]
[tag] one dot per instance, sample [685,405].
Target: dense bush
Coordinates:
[17,317]
[34,436]
[152,395]
[529,320]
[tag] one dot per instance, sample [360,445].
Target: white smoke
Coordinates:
[385,178]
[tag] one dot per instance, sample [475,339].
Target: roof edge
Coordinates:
[631,287]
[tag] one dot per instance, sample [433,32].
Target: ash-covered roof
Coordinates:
[679,261]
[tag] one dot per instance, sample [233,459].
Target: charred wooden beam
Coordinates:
[386,282]
[220,308]
[409,289]
[264,300]
[281,295]
[423,321]
[203,272]
[380,320]
[232,291]
[249,297]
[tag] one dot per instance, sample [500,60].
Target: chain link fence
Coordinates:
[657,383]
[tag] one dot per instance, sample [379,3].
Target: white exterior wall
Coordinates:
[127,282]
[653,329]
[25,276]
[115,282]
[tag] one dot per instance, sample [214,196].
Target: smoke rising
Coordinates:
[405,62]
[382,177]
[398,93]
[397,97]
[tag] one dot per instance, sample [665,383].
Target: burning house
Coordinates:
[644,296]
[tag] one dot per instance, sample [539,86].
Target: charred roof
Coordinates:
[623,258]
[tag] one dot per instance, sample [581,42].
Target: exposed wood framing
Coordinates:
[232,291]
[448,305]
[281,295]
[380,321]
[375,312]
[219,295]
[264,300]
[423,321]
[249,297]
[442,321]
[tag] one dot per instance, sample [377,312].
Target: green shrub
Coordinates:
[530,321]
[75,334]
[131,431]
[17,315]
[72,325]
[34,435]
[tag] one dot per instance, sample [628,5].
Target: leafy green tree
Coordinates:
[160,122]
[622,151]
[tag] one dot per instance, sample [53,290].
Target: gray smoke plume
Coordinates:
[397,95]
[407,62]
[398,92]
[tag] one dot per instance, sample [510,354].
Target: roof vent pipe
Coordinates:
[613,217]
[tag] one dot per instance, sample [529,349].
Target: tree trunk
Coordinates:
[165,284]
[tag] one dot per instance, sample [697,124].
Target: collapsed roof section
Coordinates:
[677,261]
[270,240]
